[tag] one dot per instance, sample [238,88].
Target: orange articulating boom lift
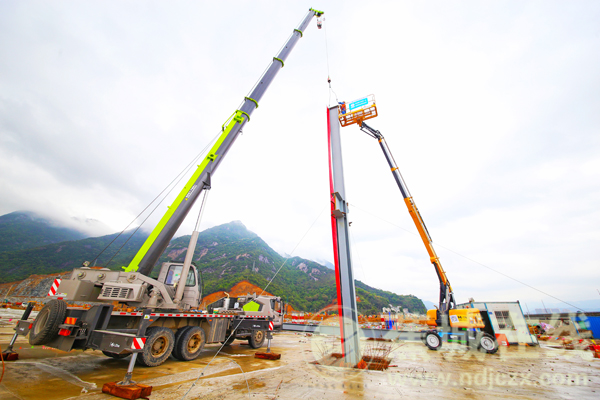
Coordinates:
[462,325]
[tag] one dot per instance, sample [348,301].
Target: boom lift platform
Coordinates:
[458,325]
[357,111]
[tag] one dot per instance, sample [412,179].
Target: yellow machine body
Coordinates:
[459,318]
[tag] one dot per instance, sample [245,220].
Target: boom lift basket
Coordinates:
[357,111]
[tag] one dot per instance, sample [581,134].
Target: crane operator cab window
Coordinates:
[174,275]
[276,305]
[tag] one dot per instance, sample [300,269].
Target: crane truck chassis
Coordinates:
[165,319]
[153,332]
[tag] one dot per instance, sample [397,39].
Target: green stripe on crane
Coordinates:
[212,156]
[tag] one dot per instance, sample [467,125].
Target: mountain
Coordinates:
[225,255]
[25,230]
[230,253]
[326,263]
[378,299]
[64,256]
[430,305]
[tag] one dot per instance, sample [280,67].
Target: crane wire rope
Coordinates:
[295,247]
[284,261]
[328,74]
[263,291]
[470,259]
[172,184]
[354,247]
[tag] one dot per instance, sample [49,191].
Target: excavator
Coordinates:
[446,321]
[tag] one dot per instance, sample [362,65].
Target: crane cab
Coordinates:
[170,275]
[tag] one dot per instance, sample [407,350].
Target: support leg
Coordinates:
[127,380]
[9,354]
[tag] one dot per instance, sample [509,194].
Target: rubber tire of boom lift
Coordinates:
[257,339]
[45,326]
[159,345]
[486,343]
[190,344]
[178,334]
[115,355]
[433,341]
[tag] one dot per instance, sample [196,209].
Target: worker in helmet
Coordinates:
[342,107]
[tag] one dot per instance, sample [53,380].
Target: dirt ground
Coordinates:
[453,372]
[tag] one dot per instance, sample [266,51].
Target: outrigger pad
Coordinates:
[267,356]
[131,392]
[10,356]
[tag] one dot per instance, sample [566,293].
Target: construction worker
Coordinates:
[342,107]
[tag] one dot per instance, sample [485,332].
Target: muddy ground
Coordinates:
[453,372]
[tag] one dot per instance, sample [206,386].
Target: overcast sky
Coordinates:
[491,109]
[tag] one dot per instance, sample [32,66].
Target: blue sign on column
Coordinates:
[358,103]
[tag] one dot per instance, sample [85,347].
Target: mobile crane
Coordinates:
[461,325]
[165,319]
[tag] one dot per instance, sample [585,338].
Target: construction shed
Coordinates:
[505,318]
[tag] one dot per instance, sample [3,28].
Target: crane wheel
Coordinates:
[433,341]
[159,345]
[178,334]
[190,344]
[257,339]
[486,343]
[45,326]
[229,339]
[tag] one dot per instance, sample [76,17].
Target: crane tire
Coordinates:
[159,345]
[190,344]
[45,326]
[178,334]
[433,341]
[257,339]
[486,343]
[229,338]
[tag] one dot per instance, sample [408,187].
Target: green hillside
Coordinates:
[225,255]
[64,256]
[25,230]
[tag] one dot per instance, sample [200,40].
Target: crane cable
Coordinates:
[284,261]
[173,184]
[245,316]
[470,259]
[328,74]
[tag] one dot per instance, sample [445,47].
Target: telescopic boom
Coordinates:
[162,234]
[447,301]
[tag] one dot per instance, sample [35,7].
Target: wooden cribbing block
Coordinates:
[10,356]
[131,392]
[267,356]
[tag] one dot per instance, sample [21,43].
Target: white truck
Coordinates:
[170,325]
